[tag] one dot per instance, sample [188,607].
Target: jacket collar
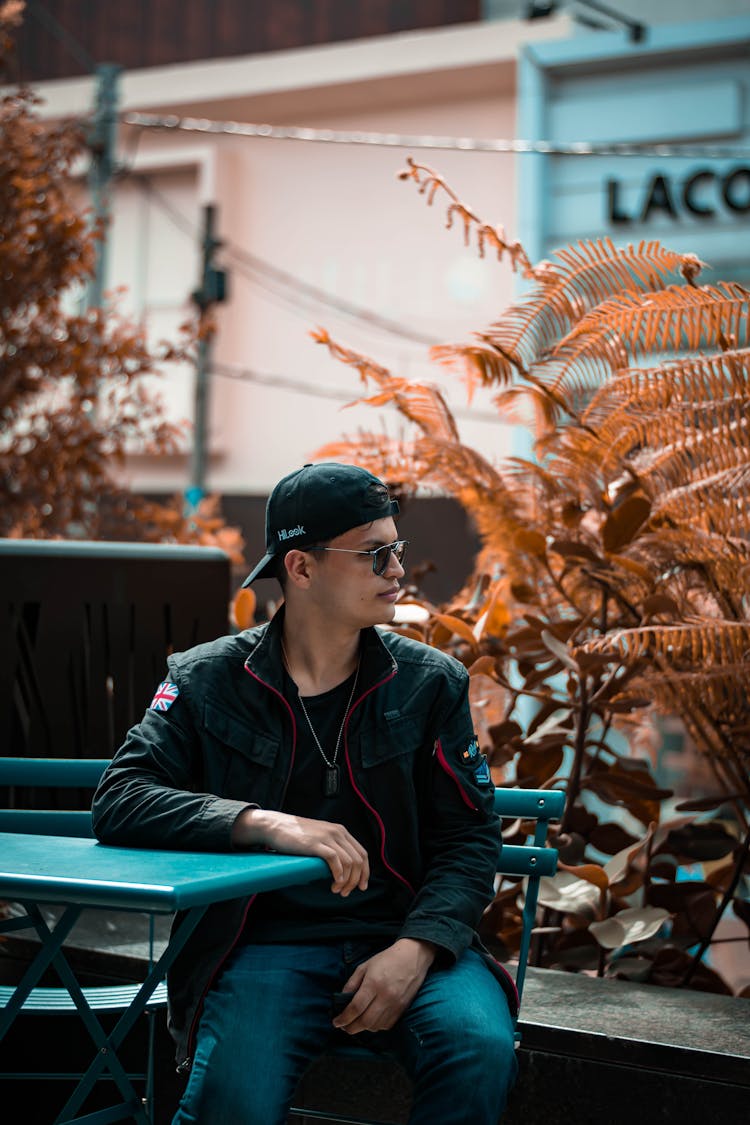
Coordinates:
[266,660]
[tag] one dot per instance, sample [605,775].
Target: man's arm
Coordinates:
[147,798]
[149,795]
[298,835]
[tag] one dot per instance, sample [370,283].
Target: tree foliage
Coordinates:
[612,584]
[74,400]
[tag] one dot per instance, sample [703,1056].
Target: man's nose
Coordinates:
[394,568]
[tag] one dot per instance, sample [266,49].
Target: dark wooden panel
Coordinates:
[159,32]
[132,33]
[197,25]
[84,638]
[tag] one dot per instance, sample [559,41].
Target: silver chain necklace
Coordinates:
[332,775]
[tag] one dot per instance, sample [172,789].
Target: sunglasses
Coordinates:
[381,556]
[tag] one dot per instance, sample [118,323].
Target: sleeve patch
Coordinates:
[471,753]
[482,774]
[166,693]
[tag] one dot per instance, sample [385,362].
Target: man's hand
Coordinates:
[385,986]
[297,835]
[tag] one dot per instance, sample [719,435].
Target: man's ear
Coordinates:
[298,568]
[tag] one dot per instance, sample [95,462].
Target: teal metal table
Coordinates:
[80,873]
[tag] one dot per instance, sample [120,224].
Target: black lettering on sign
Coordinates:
[735,191]
[692,190]
[697,194]
[615,213]
[659,198]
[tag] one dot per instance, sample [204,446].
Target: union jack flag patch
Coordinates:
[166,693]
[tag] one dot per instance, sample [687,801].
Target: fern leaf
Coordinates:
[719,503]
[422,404]
[430,183]
[720,645]
[366,367]
[672,319]
[692,379]
[580,279]
[483,364]
[387,457]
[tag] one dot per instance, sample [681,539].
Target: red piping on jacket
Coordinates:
[444,763]
[251,900]
[359,792]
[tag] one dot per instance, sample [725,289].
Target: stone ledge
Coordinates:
[591,1051]
[681,1031]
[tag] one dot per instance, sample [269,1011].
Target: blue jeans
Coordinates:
[269,1016]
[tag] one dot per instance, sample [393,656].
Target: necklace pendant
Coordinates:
[331,781]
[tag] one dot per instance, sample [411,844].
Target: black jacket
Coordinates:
[184,774]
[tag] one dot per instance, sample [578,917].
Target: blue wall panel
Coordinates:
[688,84]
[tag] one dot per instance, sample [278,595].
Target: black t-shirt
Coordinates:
[311,912]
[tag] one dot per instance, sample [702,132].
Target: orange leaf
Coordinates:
[484,666]
[456,625]
[243,608]
[590,872]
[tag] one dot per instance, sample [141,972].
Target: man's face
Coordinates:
[344,584]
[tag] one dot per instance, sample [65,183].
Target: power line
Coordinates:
[373,320]
[297,386]
[282,382]
[278,282]
[400,140]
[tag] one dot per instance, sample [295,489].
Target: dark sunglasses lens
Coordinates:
[382,556]
[380,560]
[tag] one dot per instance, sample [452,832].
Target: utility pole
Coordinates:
[213,289]
[101,142]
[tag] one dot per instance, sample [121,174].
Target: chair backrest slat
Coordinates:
[529,861]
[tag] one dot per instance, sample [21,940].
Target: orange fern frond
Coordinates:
[386,457]
[690,379]
[461,471]
[534,338]
[632,324]
[690,546]
[699,456]
[712,644]
[577,280]
[483,364]
[420,403]
[430,182]
[724,515]
[366,367]
[633,430]
[719,503]
[672,319]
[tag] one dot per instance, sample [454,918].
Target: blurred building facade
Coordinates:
[318,233]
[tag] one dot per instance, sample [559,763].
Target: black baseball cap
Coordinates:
[316,503]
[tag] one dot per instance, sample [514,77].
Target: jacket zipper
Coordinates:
[251,900]
[358,791]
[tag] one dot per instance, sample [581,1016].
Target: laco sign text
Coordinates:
[701,193]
